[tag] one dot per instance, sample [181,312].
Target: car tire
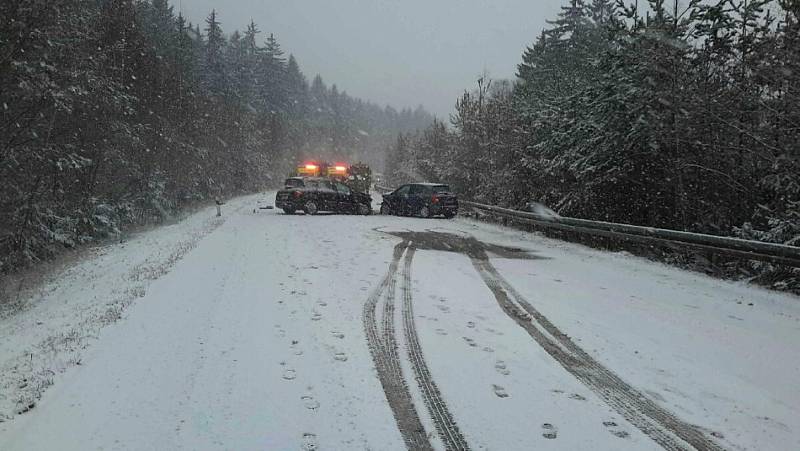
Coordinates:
[310,208]
[288,211]
[424,212]
[364,209]
[449,215]
[385,209]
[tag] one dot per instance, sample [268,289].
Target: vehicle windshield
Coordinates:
[323,225]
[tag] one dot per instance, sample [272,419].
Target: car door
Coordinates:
[344,198]
[416,198]
[328,196]
[400,199]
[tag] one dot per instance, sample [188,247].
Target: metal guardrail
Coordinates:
[733,247]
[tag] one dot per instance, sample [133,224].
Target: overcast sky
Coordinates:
[397,52]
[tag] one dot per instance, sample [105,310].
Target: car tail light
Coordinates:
[434,200]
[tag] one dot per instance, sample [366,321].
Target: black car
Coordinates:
[421,199]
[316,194]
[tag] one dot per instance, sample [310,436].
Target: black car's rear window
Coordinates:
[440,189]
[294,183]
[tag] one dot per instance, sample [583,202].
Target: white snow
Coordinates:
[245,332]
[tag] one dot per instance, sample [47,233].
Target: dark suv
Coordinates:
[421,199]
[315,194]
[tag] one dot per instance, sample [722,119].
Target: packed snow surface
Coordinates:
[249,332]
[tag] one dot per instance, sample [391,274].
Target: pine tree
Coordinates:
[273,74]
[214,59]
[297,87]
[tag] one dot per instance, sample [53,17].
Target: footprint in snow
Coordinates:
[295,349]
[471,325]
[310,442]
[496,332]
[549,431]
[499,391]
[309,402]
[470,342]
[613,428]
[337,334]
[441,332]
[316,316]
[501,368]
[340,356]
[577,397]
[289,374]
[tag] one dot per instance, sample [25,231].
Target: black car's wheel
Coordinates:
[288,211]
[449,215]
[385,210]
[310,208]
[364,209]
[424,212]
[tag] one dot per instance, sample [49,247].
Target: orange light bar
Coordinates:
[340,168]
[311,166]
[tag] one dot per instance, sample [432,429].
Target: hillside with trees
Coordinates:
[683,117]
[119,112]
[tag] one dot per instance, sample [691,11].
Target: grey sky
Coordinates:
[397,52]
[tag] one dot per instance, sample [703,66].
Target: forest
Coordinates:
[680,115]
[118,112]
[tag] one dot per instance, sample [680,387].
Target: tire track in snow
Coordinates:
[442,418]
[654,421]
[383,349]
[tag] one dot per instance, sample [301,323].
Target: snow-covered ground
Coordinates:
[250,332]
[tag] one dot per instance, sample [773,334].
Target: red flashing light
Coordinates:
[434,200]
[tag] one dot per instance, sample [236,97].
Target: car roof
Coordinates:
[429,184]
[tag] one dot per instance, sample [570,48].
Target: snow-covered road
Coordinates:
[263,331]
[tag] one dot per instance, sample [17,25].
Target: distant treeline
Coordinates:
[684,117]
[114,112]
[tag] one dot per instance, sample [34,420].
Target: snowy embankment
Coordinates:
[48,330]
[260,330]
